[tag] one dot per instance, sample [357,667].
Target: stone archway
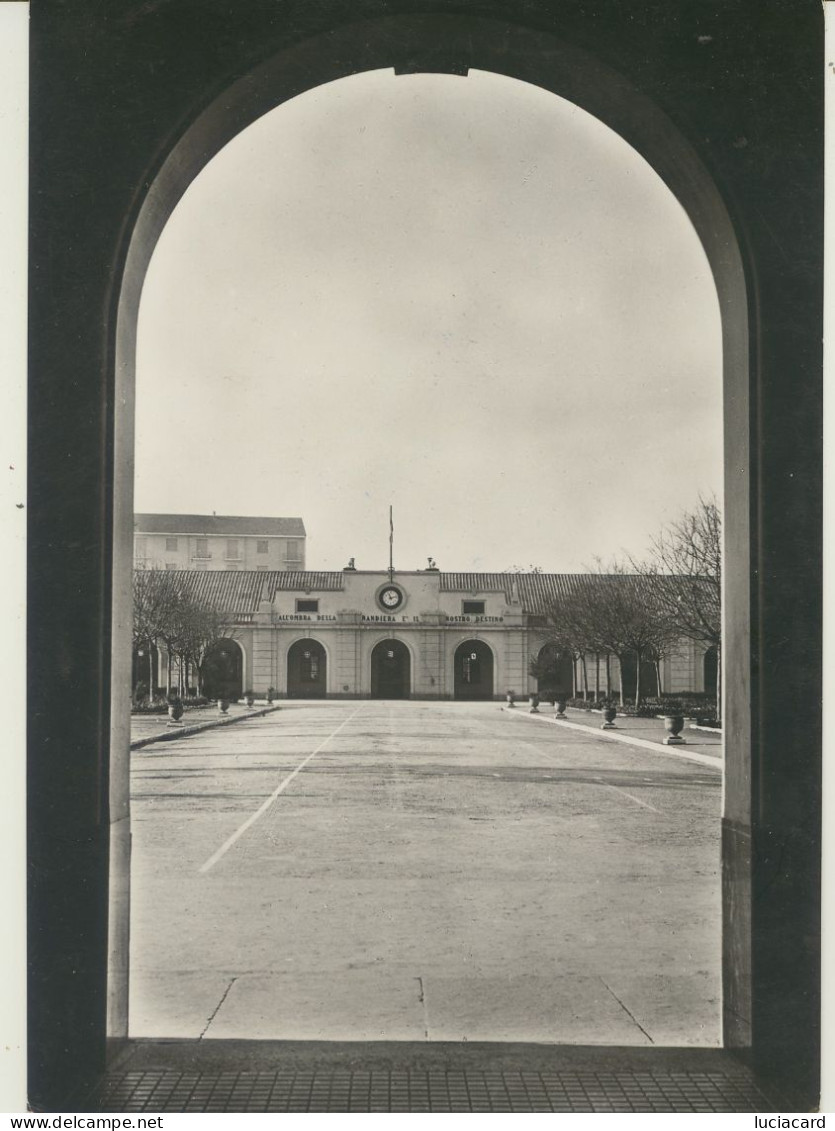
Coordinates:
[473,668]
[391,670]
[223,671]
[411,43]
[307,670]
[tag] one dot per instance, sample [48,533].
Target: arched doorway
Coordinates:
[307,670]
[473,667]
[391,670]
[554,672]
[223,671]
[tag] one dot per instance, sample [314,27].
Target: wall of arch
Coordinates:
[152,110]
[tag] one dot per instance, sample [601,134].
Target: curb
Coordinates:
[198,727]
[642,743]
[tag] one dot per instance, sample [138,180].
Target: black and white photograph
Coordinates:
[424,538]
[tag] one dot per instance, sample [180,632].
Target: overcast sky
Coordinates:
[461,296]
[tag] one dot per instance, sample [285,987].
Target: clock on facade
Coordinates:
[390,597]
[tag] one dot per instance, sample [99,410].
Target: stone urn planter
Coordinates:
[673,725]
[511,699]
[249,698]
[609,716]
[222,706]
[175,712]
[559,708]
[534,704]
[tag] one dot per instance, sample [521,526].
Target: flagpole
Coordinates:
[391,543]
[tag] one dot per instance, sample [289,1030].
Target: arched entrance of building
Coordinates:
[473,666]
[223,671]
[554,672]
[391,670]
[307,670]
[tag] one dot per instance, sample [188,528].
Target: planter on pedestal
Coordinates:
[673,724]
[175,712]
[559,708]
[534,704]
[222,706]
[609,714]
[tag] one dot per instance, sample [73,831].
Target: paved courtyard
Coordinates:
[423,871]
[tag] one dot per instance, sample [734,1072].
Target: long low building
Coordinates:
[425,634]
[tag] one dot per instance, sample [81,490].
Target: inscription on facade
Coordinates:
[296,617]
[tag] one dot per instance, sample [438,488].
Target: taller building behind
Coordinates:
[217,542]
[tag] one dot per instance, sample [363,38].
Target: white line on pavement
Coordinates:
[637,800]
[250,821]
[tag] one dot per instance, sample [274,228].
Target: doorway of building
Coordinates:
[307,670]
[223,671]
[391,670]
[554,673]
[473,670]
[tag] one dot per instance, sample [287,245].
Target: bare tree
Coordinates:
[574,625]
[630,620]
[168,613]
[684,572]
[201,625]
[155,597]
[611,611]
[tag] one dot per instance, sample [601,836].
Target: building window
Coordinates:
[201,548]
[170,565]
[262,546]
[291,553]
[171,544]
[307,606]
[232,549]
[476,607]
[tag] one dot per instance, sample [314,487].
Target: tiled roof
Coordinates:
[240,591]
[207,524]
[233,591]
[321,581]
[476,582]
[536,590]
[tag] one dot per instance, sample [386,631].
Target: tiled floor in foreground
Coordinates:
[411,1090]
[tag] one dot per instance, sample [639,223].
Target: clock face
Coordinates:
[390,597]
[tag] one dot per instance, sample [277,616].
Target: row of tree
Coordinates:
[641,608]
[170,617]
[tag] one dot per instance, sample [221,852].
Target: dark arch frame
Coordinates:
[126,111]
[301,684]
[381,688]
[230,683]
[485,671]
